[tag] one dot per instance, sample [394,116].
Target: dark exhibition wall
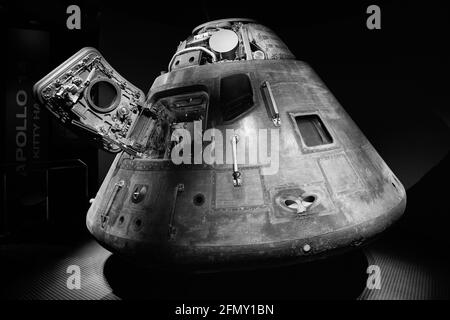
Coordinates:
[393,83]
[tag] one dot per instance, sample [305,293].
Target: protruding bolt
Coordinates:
[120,184]
[306,248]
[77,81]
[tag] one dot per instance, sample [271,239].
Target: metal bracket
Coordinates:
[105,216]
[237,180]
[172,229]
[275,114]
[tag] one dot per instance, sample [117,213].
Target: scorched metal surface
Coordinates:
[331,190]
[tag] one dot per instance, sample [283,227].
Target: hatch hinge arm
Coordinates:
[125,147]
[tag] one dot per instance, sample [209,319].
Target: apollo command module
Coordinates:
[238,156]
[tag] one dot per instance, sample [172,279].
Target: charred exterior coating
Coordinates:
[332,190]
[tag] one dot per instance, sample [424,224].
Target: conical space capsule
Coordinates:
[238,156]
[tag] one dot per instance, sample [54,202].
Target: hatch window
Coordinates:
[313,130]
[236,96]
[103,95]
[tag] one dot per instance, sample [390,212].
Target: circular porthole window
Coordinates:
[103,95]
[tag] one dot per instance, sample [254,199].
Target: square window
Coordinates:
[312,130]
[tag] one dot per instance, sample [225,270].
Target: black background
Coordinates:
[393,82]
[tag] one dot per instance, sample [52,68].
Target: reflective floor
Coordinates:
[40,272]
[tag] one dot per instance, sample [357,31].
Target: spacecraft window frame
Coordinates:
[93,94]
[250,92]
[303,145]
[154,97]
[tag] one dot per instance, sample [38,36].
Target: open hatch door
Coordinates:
[87,95]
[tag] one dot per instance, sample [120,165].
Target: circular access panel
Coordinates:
[224,41]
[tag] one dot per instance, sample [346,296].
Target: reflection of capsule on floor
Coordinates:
[238,154]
